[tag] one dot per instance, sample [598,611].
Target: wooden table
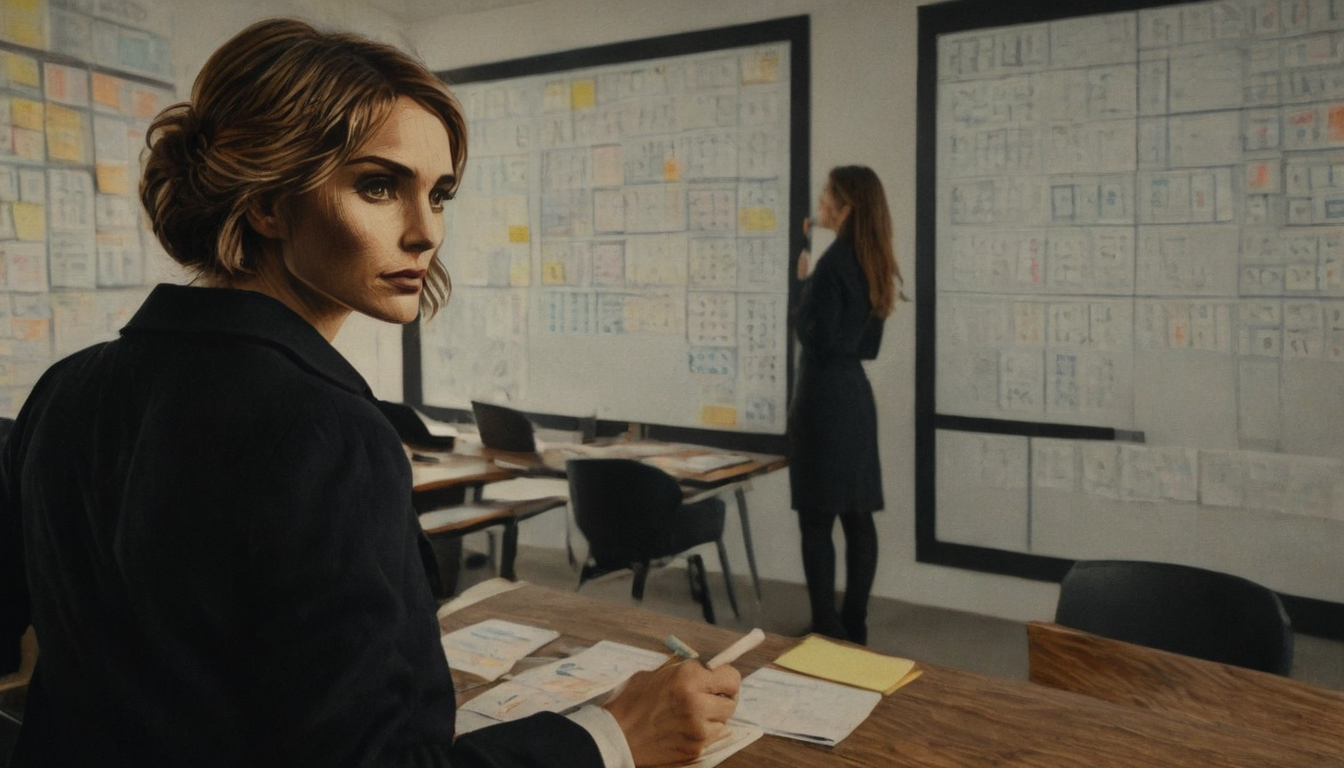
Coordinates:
[443,480]
[946,719]
[694,485]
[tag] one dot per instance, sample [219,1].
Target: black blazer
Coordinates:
[833,456]
[223,560]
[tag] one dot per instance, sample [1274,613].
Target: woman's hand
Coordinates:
[803,258]
[669,715]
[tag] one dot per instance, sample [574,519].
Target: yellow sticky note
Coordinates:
[671,170]
[582,94]
[65,133]
[718,416]
[26,22]
[22,70]
[26,113]
[30,221]
[112,179]
[553,273]
[520,275]
[757,219]
[518,233]
[107,91]
[859,667]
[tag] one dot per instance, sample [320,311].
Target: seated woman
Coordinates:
[222,560]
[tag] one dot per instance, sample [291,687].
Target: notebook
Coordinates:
[859,667]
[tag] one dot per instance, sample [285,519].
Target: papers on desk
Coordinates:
[705,462]
[454,515]
[859,667]
[491,648]
[802,708]
[559,686]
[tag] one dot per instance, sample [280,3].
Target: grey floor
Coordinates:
[983,644]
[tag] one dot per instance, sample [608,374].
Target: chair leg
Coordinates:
[641,573]
[509,551]
[727,577]
[695,571]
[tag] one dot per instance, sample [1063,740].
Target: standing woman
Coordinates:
[222,561]
[833,466]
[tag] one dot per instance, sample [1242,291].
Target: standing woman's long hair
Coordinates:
[868,228]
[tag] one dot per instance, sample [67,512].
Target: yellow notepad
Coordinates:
[819,657]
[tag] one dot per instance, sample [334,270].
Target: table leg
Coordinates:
[741,495]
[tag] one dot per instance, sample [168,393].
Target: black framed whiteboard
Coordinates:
[1130,331]
[624,242]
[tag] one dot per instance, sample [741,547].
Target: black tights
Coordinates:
[819,568]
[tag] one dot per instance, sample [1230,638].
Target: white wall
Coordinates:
[863,111]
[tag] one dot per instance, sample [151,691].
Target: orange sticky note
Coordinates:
[1335,123]
[112,179]
[107,91]
[671,170]
[718,416]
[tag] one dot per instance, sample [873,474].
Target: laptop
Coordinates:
[503,429]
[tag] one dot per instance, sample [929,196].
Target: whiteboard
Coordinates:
[620,245]
[1140,227]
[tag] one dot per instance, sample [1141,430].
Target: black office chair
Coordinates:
[632,515]
[1179,608]
[411,429]
[503,429]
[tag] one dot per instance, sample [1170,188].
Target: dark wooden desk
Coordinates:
[945,719]
[1220,694]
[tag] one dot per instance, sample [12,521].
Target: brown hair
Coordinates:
[868,227]
[273,114]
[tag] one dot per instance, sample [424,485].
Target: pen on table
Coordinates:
[733,652]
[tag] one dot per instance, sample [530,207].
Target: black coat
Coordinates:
[223,560]
[833,461]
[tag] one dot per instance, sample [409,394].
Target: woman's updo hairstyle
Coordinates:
[273,114]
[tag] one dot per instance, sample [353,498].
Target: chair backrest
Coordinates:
[1134,675]
[411,429]
[503,428]
[1179,608]
[625,509]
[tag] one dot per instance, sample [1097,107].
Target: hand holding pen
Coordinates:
[670,714]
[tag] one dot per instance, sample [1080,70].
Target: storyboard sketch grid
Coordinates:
[1141,226]
[619,246]
[79,84]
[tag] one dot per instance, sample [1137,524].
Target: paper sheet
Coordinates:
[802,708]
[565,684]
[490,648]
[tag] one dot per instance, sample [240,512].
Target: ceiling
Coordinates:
[411,11]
